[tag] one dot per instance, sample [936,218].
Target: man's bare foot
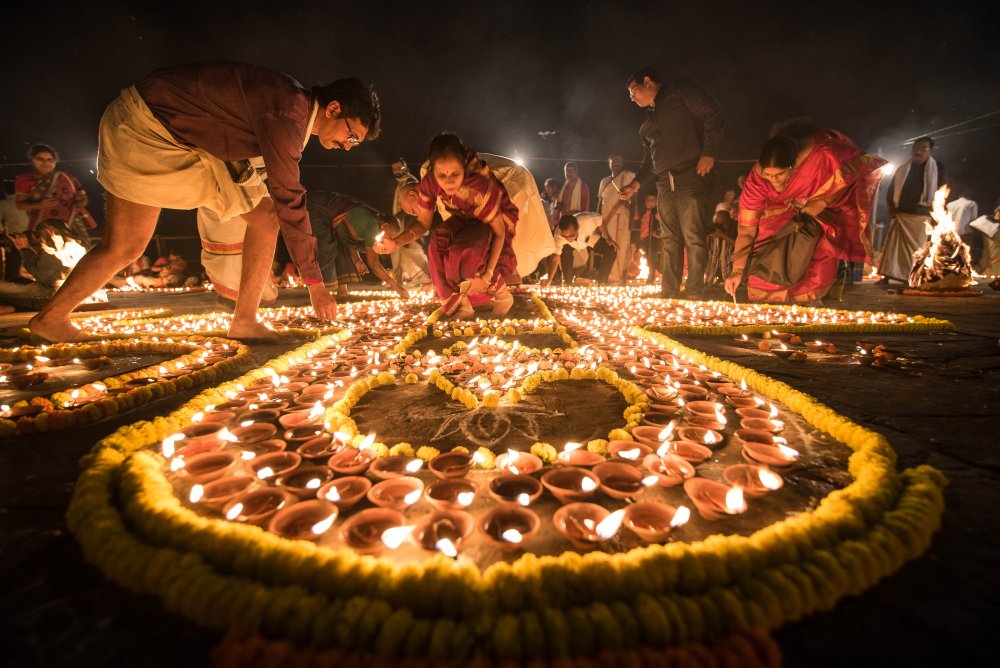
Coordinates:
[58,331]
[253,331]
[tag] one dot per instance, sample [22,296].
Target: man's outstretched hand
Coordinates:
[323,303]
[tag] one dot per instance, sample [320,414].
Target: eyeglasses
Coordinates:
[352,137]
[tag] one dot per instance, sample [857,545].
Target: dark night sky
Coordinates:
[499,73]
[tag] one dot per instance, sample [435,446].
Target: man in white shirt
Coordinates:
[577,238]
[616,214]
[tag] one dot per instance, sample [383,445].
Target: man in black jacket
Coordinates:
[680,137]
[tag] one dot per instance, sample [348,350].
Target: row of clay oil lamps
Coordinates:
[616,302]
[24,375]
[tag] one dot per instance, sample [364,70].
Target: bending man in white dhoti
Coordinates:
[183,138]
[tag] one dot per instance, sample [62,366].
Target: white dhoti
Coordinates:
[222,254]
[139,161]
[533,239]
[907,234]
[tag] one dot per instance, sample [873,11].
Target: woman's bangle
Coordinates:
[738,270]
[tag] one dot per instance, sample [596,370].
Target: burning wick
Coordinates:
[394,537]
[234,512]
[681,517]
[197,492]
[447,548]
[324,525]
[512,536]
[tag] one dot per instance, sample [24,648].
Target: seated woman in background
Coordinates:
[820,173]
[470,254]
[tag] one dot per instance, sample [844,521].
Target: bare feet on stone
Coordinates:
[57,331]
[253,332]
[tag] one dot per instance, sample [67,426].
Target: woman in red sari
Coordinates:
[820,173]
[470,254]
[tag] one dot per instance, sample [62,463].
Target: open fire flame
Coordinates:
[944,263]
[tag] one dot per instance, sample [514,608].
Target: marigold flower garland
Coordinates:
[227,575]
[59,410]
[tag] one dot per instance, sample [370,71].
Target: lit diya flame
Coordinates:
[414,466]
[169,443]
[665,433]
[773,411]
[447,548]
[788,453]
[197,417]
[711,438]
[314,483]
[609,526]
[317,410]
[394,537]
[650,480]
[367,442]
[631,454]
[512,536]
[524,499]
[681,516]
[412,497]
[587,484]
[176,464]
[466,498]
[228,436]
[197,492]
[323,526]
[734,501]
[234,512]
[332,494]
[768,479]
[512,457]
[265,472]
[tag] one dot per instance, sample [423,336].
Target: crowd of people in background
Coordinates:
[467,225]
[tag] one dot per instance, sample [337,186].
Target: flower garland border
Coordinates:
[62,418]
[653,596]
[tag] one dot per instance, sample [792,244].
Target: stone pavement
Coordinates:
[941,407]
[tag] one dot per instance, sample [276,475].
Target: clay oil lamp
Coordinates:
[757,413]
[692,392]
[782,352]
[630,452]
[653,521]
[706,414]
[208,466]
[662,394]
[516,462]
[94,363]
[320,447]
[139,382]
[345,492]
[258,448]
[702,435]
[351,461]
[305,481]
[365,532]
[732,391]
[776,454]
[220,417]
[384,468]
[575,454]
[784,337]
[258,416]
[509,527]
[763,424]
[217,493]
[760,436]
[275,464]
[754,480]
[587,525]
[277,406]
[451,493]
[189,449]
[21,411]
[714,500]
[450,465]
[742,401]
[308,520]
[258,506]
[25,380]
[237,406]
[744,341]
[443,531]
[396,493]
[297,436]
[668,468]
[251,433]
[694,453]
[570,483]
[657,417]
[821,346]
[622,481]
[302,418]
[512,489]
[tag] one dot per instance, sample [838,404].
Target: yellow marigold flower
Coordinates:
[491,399]
[460,448]
[411,379]
[469,332]
[484,459]
[427,453]
[545,452]
[401,450]
[619,435]
[598,446]
[513,396]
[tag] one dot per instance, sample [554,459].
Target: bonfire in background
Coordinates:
[944,263]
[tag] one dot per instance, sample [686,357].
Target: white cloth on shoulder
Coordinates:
[930,182]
